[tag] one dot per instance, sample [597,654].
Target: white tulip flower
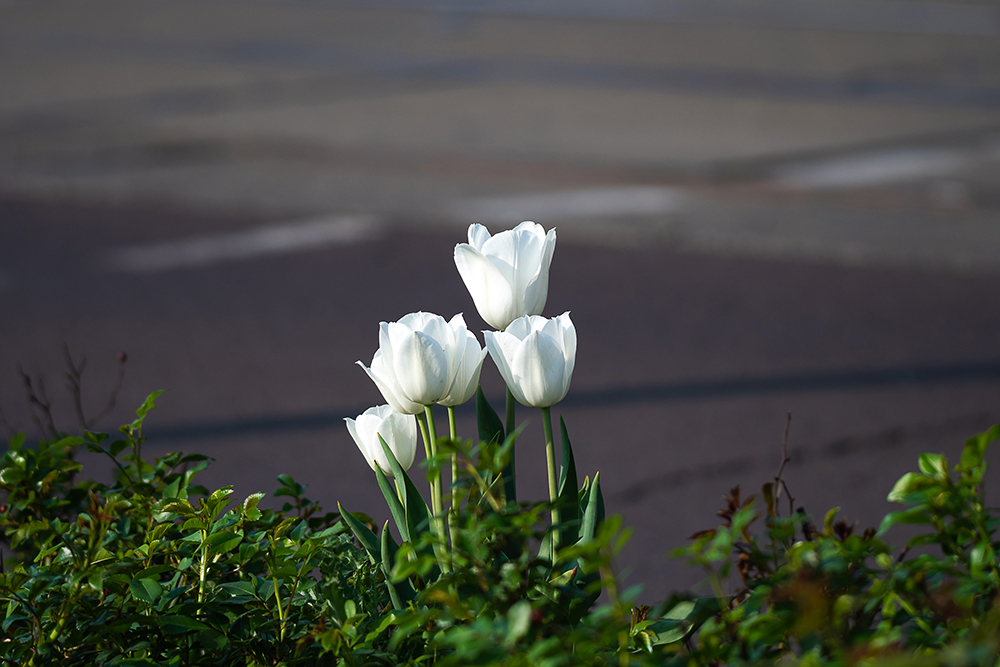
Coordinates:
[535,356]
[507,274]
[398,430]
[420,360]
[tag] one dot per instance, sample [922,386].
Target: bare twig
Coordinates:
[5,425]
[74,375]
[779,483]
[41,411]
[113,396]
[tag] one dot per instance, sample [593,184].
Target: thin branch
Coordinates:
[74,375]
[5,425]
[40,403]
[113,396]
[779,483]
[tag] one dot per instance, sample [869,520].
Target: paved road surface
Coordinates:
[761,209]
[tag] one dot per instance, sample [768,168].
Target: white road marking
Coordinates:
[560,205]
[872,168]
[269,240]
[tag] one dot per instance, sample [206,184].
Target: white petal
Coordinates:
[539,370]
[420,366]
[400,433]
[530,226]
[490,289]
[458,344]
[386,385]
[496,342]
[353,430]
[467,374]
[478,235]
[519,328]
[568,345]
[536,291]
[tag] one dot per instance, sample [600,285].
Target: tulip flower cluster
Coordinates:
[423,359]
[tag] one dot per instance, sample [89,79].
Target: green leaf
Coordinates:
[828,521]
[11,476]
[116,447]
[154,571]
[594,512]
[239,588]
[147,405]
[146,590]
[491,430]
[909,483]
[913,515]
[934,465]
[487,419]
[223,541]
[975,448]
[389,550]
[391,497]
[569,499]
[249,507]
[365,536]
[174,624]
[518,622]
[415,508]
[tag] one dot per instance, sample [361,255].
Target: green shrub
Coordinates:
[155,570]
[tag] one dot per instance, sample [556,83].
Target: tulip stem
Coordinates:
[436,500]
[550,456]
[453,432]
[422,423]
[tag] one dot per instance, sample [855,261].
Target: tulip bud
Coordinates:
[398,430]
[507,274]
[535,356]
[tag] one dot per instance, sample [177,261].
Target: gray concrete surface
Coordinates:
[762,208]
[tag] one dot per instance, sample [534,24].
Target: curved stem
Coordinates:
[422,423]
[453,432]
[550,458]
[453,512]
[436,496]
[436,479]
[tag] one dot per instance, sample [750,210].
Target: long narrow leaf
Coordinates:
[389,550]
[489,422]
[395,505]
[569,499]
[365,536]
[491,431]
[416,513]
[594,513]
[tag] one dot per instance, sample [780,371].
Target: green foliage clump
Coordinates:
[156,570]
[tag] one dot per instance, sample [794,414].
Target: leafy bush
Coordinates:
[156,570]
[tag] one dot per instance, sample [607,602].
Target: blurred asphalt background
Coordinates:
[762,206]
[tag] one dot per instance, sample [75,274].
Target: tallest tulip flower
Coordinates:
[507,274]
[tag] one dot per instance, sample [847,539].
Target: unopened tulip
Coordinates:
[398,430]
[419,359]
[535,356]
[507,274]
